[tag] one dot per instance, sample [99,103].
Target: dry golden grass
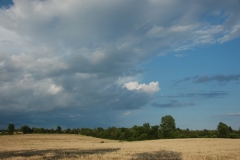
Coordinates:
[72,147]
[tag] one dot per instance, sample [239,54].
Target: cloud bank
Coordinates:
[70,55]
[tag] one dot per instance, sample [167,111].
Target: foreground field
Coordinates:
[57,146]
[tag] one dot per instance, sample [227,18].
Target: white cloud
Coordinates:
[207,35]
[180,55]
[186,28]
[97,56]
[233,33]
[156,31]
[2,64]
[150,88]
[122,80]
[53,89]
[127,113]
[204,35]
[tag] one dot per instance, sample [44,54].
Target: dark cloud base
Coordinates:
[211,94]
[172,104]
[206,79]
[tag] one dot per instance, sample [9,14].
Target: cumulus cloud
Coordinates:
[150,88]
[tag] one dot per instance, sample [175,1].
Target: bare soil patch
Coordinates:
[60,146]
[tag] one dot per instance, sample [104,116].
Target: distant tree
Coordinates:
[137,131]
[154,132]
[47,130]
[34,130]
[52,130]
[146,128]
[230,129]
[74,131]
[223,130]
[167,126]
[11,128]
[26,129]
[68,131]
[38,130]
[3,132]
[204,133]
[59,129]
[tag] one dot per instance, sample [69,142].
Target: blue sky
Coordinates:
[121,63]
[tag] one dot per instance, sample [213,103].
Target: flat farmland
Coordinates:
[62,146]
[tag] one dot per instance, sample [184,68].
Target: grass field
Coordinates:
[60,146]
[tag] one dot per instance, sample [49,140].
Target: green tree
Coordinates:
[154,132]
[26,129]
[223,130]
[167,127]
[68,131]
[146,127]
[59,129]
[52,130]
[11,128]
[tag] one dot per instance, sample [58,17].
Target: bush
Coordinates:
[234,135]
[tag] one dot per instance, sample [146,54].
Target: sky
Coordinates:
[80,63]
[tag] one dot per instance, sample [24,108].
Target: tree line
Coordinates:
[166,129]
